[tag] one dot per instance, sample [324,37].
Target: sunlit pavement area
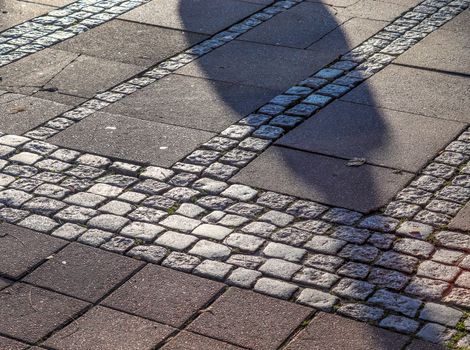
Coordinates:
[234,174]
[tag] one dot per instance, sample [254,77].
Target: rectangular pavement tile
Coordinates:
[15,12]
[297,27]
[22,249]
[191,341]
[131,139]
[58,97]
[132,43]
[30,313]
[10,344]
[323,179]
[163,295]
[83,272]
[193,102]
[444,50]
[102,329]
[250,319]
[380,10]
[381,136]
[273,67]
[333,332]
[19,113]
[434,94]
[461,23]
[461,221]
[202,16]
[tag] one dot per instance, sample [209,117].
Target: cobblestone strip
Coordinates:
[58,25]
[398,270]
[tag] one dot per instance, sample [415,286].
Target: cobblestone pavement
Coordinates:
[405,267]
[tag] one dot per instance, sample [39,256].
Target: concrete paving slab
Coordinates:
[334,332]
[380,10]
[30,313]
[29,74]
[381,136]
[193,16]
[434,94]
[56,96]
[79,78]
[15,12]
[323,179]
[444,50]
[193,102]
[132,43]
[55,3]
[131,139]
[105,329]
[461,23]
[461,221]
[417,344]
[19,113]
[4,283]
[249,319]
[10,344]
[255,64]
[22,249]
[191,341]
[297,27]
[163,295]
[83,272]
[347,36]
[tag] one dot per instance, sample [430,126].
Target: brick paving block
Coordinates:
[83,272]
[164,295]
[191,341]
[10,344]
[250,320]
[22,249]
[334,332]
[102,328]
[29,313]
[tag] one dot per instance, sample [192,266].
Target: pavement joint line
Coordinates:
[287,278]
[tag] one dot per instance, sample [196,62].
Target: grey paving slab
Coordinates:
[269,66]
[102,329]
[19,113]
[461,23]
[191,341]
[29,74]
[22,249]
[4,282]
[323,179]
[334,332]
[417,344]
[10,344]
[444,50]
[380,10]
[163,295]
[15,12]
[30,313]
[193,102]
[347,36]
[297,27]
[132,43]
[131,139]
[79,78]
[58,97]
[434,94]
[55,3]
[193,16]
[381,136]
[249,319]
[462,220]
[83,272]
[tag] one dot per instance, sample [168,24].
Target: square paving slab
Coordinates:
[29,313]
[19,113]
[269,66]
[443,50]
[22,249]
[83,272]
[15,12]
[192,341]
[164,295]
[201,16]
[132,43]
[105,329]
[381,136]
[249,319]
[434,94]
[323,179]
[333,332]
[193,102]
[131,139]
[381,10]
[297,27]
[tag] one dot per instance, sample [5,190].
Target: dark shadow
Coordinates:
[275,56]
